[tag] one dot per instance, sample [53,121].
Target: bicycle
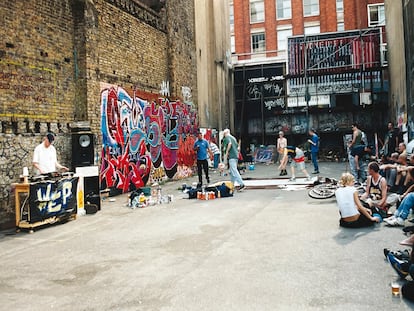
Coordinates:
[324,190]
[327,189]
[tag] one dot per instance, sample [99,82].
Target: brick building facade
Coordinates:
[331,16]
[57,57]
[324,92]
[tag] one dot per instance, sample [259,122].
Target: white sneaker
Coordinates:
[391,218]
[292,179]
[397,221]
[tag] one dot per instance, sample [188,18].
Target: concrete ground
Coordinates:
[263,249]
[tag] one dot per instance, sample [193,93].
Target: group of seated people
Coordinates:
[398,170]
[389,186]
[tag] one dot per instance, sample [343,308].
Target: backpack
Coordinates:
[224,190]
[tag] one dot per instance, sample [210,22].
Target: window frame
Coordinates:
[282,29]
[340,26]
[231,16]
[340,11]
[283,9]
[378,23]
[262,2]
[256,33]
[311,4]
[312,26]
[384,54]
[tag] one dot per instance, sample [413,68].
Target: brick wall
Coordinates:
[55,55]
[355,12]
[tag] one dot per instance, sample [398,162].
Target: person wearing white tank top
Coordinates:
[353,214]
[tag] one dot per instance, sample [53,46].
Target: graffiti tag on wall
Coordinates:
[142,135]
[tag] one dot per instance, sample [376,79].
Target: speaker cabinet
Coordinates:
[91,191]
[82,149]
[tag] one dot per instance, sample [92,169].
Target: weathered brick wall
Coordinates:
[121,50]
[36,86]
[181,45]
[36,66]
[55,56]
[139,52]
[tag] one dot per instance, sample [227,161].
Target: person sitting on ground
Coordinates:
[403,266]
[389,170]
[401,170]
[403,210]
[297,157]
[358,152]
[408,241]
[409,176]
[353,214]
[376,195]
[397,173]
[401,262]
[402,149]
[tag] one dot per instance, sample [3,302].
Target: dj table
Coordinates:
[45,200]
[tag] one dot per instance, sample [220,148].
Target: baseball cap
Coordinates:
[50,137]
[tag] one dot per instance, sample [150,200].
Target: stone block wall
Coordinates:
[56,55]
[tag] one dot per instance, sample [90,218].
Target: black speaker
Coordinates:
[82,149]
[91,191]
[91,185]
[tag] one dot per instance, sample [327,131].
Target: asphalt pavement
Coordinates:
[262,249]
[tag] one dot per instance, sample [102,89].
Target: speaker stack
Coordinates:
[83,150]
[82,145]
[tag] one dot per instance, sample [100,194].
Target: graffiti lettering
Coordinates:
[273,88]
[50,201]
[165,88]
[269,104]
[140,136]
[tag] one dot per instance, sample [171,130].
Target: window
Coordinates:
[258,42]
[384,54]
[311,30]
[256,11]
[283,9]
[282,35]
[339,5]
[376,15]
[310,7]
[231,17]
[232,44]
[340,26]
[340,10]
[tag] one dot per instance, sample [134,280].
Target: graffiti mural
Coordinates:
[264,154]
[143,134]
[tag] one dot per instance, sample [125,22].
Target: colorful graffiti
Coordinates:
[142,133]
[264,154]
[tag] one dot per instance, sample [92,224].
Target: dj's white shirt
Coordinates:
[46,157]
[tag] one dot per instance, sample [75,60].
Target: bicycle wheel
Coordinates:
[323,191]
